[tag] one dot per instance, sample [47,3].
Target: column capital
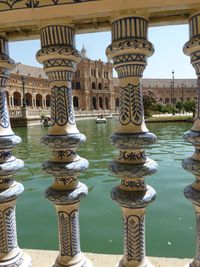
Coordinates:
[129,51]
[129,37]
[58,53]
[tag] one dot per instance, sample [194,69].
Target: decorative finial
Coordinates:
[83,53]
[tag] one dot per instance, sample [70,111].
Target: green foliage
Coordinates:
[167,108]
[149,99]
[190,105]
[151,105]
[179,105]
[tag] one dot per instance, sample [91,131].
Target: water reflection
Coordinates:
[170,219]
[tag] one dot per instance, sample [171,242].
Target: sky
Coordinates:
[168,42]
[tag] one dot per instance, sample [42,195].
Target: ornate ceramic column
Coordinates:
[191,164]
[10,254]
[59,58]
[129,51]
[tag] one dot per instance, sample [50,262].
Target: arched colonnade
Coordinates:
[37,100]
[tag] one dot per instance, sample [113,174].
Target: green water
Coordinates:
[170,222]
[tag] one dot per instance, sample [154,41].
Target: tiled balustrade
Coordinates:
[129,51]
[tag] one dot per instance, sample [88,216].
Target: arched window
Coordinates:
[28,99]
[17,99]
[99,86]
[94,102]
[38,100]
[93,85]
[75,103]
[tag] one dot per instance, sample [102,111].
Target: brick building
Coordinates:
[94,87]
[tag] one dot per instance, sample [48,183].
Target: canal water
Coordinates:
[170,220]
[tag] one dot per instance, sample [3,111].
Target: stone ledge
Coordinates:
[46,258]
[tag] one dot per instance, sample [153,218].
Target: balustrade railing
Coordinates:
[15,113]
[129,50]
[10,254]
[191,164]
[59,58]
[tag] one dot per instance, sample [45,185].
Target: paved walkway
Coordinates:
[45,258]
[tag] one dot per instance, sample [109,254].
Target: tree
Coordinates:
[190,106]
[168,108]
[179,105]
[149,99]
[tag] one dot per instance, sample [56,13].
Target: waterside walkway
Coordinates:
[46,258]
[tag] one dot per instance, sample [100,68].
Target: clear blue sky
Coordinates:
[168,42]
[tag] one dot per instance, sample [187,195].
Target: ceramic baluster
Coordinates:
[129,51]
[191,164]
[10,254]
[59,58]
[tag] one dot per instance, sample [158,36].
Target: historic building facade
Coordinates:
[94,87]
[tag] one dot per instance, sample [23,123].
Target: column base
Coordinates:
[193,264]
[144,263]
[23,260]
[84,263]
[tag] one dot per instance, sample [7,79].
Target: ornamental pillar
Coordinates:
[10,253]
[191,164]
[59,58]
[129,51]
